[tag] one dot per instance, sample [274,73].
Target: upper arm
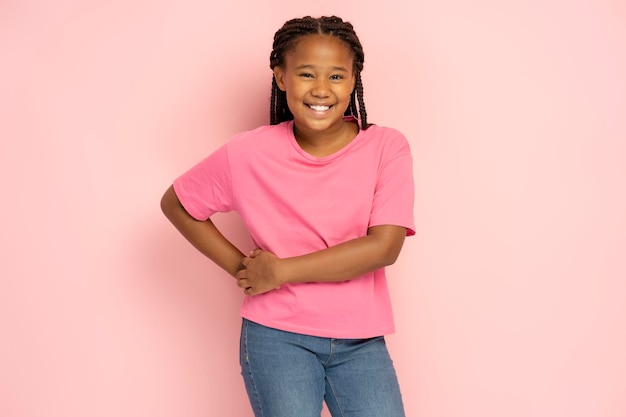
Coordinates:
[174,209]
[169,201]
[206,188]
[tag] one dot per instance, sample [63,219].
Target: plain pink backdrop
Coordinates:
[510,300]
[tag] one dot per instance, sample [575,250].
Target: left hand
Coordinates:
[260,274]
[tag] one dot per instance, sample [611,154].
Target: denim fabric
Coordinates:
[289,375]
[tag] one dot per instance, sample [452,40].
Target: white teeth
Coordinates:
[320,108]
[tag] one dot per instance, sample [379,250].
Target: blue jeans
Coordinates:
[289,375]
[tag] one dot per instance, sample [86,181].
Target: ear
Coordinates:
[279,76]
[353,80]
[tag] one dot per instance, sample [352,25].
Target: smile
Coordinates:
[319,108]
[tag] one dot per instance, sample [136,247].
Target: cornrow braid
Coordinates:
[285,40]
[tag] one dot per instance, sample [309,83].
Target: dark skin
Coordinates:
[318,79]
[203,235]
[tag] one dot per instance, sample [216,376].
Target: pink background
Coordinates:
[510,301]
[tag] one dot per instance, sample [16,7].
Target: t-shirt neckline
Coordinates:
[327,158]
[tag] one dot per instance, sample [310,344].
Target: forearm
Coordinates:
[264,271]
[379,248]
[203,235]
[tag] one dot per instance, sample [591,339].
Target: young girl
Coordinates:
[328,200]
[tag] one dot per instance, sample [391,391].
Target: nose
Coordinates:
[321,88]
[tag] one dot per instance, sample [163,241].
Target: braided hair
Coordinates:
[285,40]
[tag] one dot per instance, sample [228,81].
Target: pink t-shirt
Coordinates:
[294,203]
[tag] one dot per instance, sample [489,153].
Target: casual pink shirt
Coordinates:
[294,203]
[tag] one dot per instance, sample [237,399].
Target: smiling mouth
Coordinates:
[319,108]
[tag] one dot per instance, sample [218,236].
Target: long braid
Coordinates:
[359,89]
[279,111]
[285,39]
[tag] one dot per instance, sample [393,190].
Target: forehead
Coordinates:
[319,49]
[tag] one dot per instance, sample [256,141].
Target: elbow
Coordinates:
[392,250]
[388,253]
[390,256]
[389,241]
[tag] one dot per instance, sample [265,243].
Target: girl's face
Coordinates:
[318,80]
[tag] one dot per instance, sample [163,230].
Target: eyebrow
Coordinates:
[309,66]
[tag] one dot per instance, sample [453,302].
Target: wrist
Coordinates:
[282,274]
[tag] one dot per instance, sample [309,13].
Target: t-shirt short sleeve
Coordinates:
[207,187]
[395,189]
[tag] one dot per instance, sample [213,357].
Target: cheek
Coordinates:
[348,92]
[292,99]
[295,91]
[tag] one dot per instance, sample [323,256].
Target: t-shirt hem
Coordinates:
[410,229]
[316,332]
[182,195]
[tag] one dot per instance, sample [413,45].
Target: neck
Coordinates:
[326,142]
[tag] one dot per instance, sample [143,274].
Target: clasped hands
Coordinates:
[259,273]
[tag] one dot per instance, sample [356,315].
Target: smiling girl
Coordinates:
[328,200]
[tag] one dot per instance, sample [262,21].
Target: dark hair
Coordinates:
[285,39]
